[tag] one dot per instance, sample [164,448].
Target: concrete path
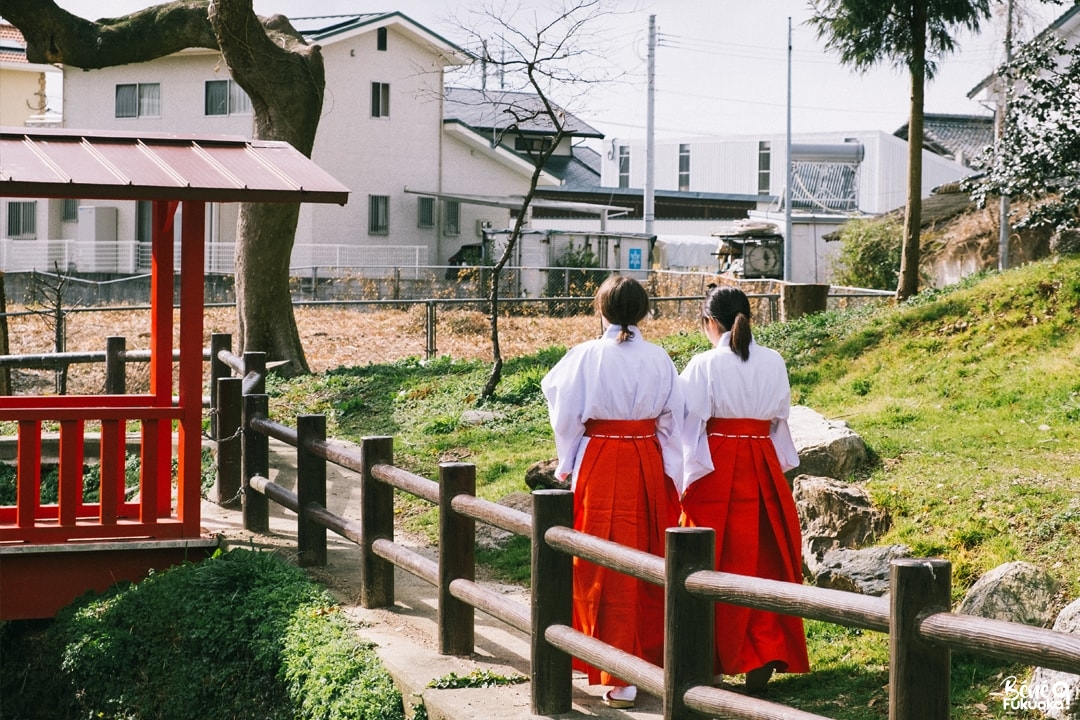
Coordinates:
[406,636]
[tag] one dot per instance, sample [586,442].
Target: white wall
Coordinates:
[729,165]
[370,156]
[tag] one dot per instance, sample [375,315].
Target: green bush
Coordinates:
[225,638]
[869,254]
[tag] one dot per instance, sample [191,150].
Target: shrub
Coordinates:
[869,254]
[216,640]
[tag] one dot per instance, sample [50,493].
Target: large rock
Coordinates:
[834,514]
[864,571]
[828,448]
[489,537]
[1015,592]
[1060,690]
[541,476]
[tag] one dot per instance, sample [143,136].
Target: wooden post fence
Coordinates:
[256,463]
[376,522]
[310,489]
[552,603]
[918,671]
[457,559]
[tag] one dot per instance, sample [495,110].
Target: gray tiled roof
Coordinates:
[496,109]
[960,137]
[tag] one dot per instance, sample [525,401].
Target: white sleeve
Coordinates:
[669,430]
[779,431]
[565,401]
[697,460]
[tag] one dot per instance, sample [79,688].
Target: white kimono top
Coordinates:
[717,383]
[604,379]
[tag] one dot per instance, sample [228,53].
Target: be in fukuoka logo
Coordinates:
[1037,696]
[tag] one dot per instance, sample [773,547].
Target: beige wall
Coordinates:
[19,99]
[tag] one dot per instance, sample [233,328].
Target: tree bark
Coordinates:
[910,251]
[283,76]
[266,232]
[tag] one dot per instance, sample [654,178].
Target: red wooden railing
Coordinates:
[113,516]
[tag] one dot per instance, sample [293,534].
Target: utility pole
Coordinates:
[650,131]
[1003,113]
[787,167]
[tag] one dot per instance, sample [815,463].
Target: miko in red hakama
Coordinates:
[622,495]
[747,499]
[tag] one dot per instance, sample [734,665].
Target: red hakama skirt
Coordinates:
[621,494]
[748,501]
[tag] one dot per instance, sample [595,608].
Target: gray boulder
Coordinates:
[489,537]
[1015,592]
[828,448]
[479,417]
[864,571]
[834,514]
[1060,690]
[541,476]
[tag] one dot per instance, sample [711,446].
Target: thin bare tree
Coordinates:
[538,52]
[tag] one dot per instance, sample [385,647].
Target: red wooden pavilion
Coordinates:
[52,553]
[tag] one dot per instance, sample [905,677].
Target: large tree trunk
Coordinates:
[263,303]
[266,232]
[910,251]
[283,76]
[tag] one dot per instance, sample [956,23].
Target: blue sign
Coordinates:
[635,258]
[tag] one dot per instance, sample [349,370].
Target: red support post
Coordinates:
[28,473]
[191,368]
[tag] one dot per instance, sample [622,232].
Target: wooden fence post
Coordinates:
[376,522]
[552,604]
[218,370]
[689,620]
[918,671]
[115,367]
[255,373]
[430,323]
[228,412]
[310,489]
[457,559]
[256,462]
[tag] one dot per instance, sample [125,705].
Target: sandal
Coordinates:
[614,702]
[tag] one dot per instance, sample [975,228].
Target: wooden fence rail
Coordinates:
[922,632]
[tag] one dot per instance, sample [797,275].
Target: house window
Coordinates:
[532,145]
[425,216]
[624,166]
[138,100]
[22,219]
[452,224]
[764,164]
[380,39]
[684,168]
[69,210]
[225,97]
[380,99]
[378,214]
[144,221]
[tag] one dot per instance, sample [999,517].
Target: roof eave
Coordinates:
[501,155]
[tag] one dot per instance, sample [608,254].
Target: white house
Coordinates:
[381,131]
[23,102]
[429,167]
[754,164]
